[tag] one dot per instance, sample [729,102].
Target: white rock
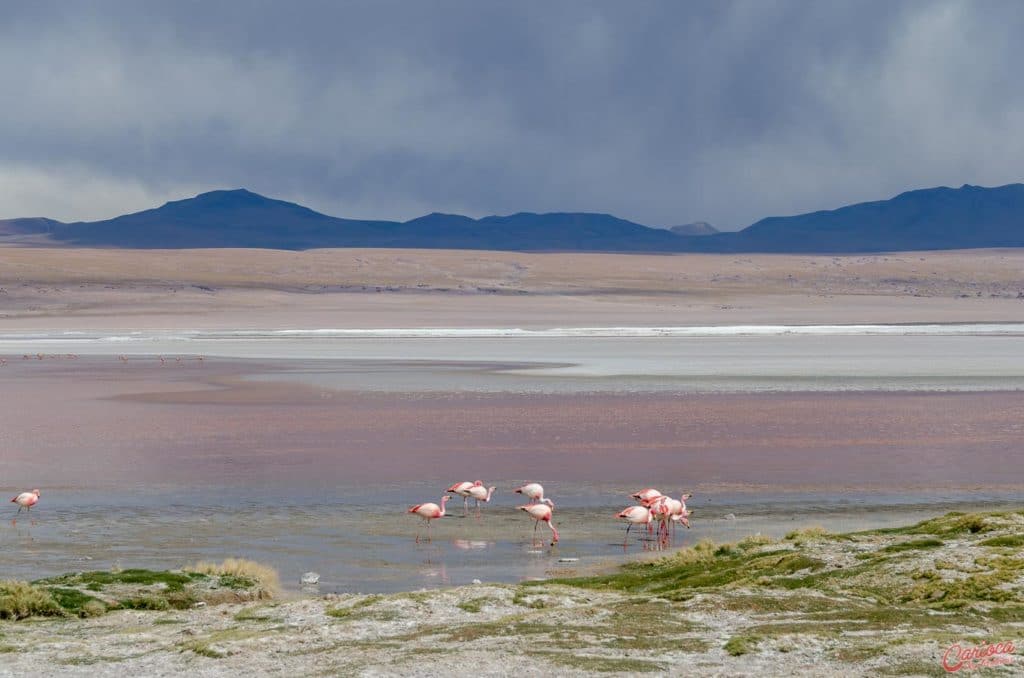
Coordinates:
[310,579]
[477,581]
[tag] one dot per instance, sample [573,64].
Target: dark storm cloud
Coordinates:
[661,112]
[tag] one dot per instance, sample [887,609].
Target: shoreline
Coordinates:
[890,600]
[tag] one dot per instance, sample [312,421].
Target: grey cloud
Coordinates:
[660,112]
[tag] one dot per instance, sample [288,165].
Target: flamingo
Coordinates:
[481,494]
[654,503]
[540,512]
[662,512]
[535,491]
[26,500]
[429,511]
[462,489]
[680,513]
[646,494]
[635,515]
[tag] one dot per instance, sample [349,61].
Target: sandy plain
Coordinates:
[50,288]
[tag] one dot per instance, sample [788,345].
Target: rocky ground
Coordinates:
[884,602]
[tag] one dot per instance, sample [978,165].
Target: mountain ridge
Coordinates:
[930,218]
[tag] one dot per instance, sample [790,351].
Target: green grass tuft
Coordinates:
[20,600]
[741,645]
[1008,540]
[913,545]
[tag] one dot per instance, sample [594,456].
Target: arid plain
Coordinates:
[51,287]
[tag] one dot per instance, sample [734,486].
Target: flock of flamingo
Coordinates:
[653,506]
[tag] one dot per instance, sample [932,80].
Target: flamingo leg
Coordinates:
[465,506]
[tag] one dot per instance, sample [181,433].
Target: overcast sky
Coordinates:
[658,112]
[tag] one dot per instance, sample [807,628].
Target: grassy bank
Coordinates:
[884,602]
[92,594]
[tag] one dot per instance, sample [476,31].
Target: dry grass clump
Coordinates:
[806,534]
[19,600]
[754,541]
[239,573]
[702,551]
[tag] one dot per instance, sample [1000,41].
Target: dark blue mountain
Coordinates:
[928,219]
[935,218]
[241,218]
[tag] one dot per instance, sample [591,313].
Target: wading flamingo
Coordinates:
[26,500]
[462,489]
[646,494]
[681,514]
[429,511]
[662,512]
[481,494]
[655,504]
[634,515]
[535,491]
[540,512]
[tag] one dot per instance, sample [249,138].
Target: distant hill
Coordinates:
[696,228]
[934,218]
[928,219]
[27,226]
[240,218]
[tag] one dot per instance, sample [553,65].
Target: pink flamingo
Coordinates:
[462,489]
[654,503]
[661,513]
[635,515]
[535,491]
[646,494]
[541,512]
[680,514]
[481,494]
[26,500]
[429,511]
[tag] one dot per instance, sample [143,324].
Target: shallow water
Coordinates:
[134,479]
[356,549]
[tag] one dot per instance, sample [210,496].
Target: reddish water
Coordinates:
[155,466]
[97,423]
